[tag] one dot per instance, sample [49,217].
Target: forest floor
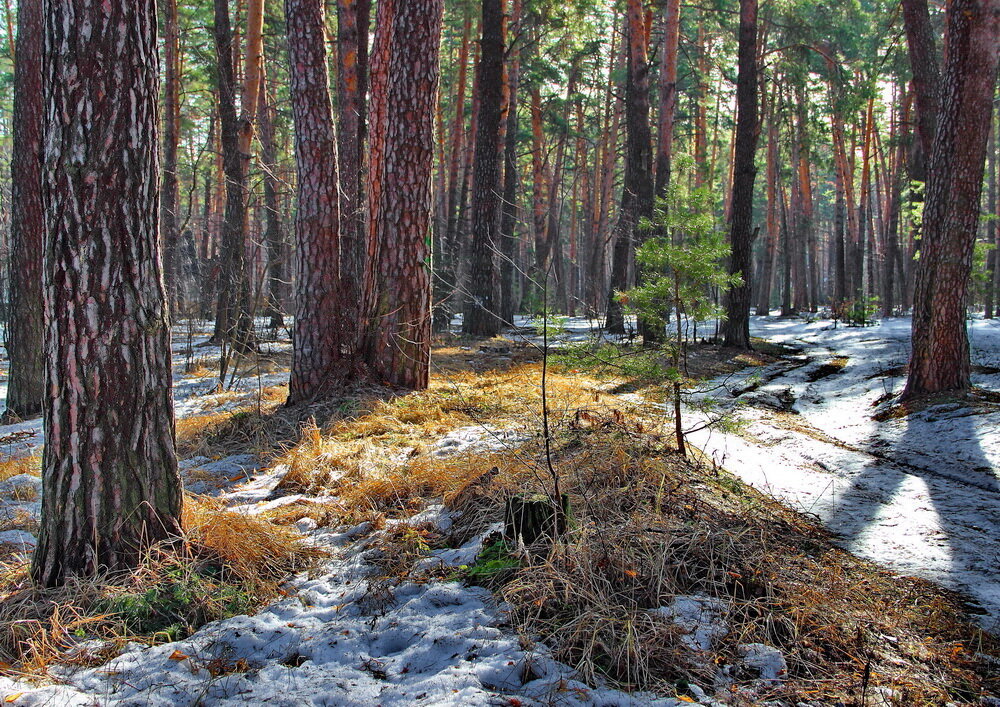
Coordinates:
[676,582]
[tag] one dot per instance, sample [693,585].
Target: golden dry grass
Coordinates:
[21,465]
[251,556]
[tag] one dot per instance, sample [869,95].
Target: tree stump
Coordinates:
[531,517]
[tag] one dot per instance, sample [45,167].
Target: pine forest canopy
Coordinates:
[376,169]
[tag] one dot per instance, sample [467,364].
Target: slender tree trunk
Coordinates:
[509,208]
[637,194]
[26,383]
[233,322]
[446,257]
[110,480]
[484,293]
[940,355]
[352,85]
[993,228]
[772,228]
[401,346]
[274,233]
[742,233]
[171,131]
[668,93]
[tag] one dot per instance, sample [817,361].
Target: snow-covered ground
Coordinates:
[919,494]
[335,641]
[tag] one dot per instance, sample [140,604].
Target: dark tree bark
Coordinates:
[321,314]
[940,354]
[772,229]
[169,195]
[26,383]
[637,194]
[352,86]
[741,231]
[110,480]
[400,354]
[926,72]
[509,208]
[274,232]
[233,322]
[482,303]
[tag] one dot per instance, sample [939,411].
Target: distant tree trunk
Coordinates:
[637,193]
[668,94]
[509,207]
[110,480]
[25,340]
[742,233]
[233,322]
[772,229]
[171,132]
[926,72]
[484,293]
[446,255]
[352,87]
[400,355]
[321,314]
[940,354]
[993,228]
[895,192]
[274,233]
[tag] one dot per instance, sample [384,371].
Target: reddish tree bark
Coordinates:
[319,336]
[668,93]
[400,354]
[169,194]
[110,480]
[26,383]
[940,353]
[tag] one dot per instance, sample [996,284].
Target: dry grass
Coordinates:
[21,465]
[225,563]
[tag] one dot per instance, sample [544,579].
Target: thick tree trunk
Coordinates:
[321,317]
[110,480]
[25,339]
[926,73]
[940,354]
[400,354]
[482,304]
[741,231]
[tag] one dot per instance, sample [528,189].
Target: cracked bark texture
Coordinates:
[404,91]
[110,480]
[26,386]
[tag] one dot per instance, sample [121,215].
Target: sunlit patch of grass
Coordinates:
[20,465]
[224,564]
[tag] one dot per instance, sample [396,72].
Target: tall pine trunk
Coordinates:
[940,354]
[110,480]
[741,232]
[25,339]
[319,337]
[400,345]
[483,300]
